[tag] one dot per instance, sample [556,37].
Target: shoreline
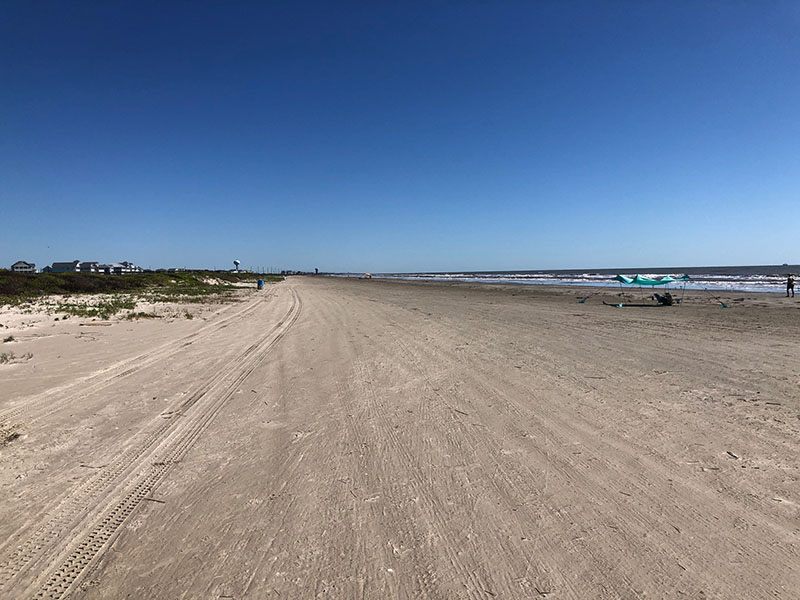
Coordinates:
[582,284]
[609,292]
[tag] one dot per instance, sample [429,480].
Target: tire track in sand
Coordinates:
[601,479]
[52,400]
[371,423]
[86,522]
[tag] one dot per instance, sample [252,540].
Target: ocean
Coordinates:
[765,278]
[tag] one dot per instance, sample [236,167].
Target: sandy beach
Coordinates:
[377,439]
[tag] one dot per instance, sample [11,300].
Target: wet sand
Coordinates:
[386,439]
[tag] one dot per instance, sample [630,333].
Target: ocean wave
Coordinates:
[742,279]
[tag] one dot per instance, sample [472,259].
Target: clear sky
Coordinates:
[400,136]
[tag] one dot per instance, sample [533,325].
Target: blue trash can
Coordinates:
[261,284]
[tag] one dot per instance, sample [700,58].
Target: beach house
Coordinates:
[129,267]
[88,267]
[119,268]
[66,267]
[23,267]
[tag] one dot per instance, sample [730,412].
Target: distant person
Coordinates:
[790,285]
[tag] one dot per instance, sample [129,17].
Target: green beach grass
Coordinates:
[121,292]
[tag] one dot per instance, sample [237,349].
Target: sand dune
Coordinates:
[374,439]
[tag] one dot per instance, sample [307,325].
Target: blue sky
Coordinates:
[400,136]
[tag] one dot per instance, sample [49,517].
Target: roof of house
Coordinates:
[22,263]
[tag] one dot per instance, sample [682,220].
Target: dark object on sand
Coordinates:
[665,299]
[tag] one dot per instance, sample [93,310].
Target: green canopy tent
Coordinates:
[642,281]
[639,280]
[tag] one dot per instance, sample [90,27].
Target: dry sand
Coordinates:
[375,439]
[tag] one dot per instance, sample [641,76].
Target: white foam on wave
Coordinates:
[749,283]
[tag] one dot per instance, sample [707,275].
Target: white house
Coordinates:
[88,267]
[130,267]
[23,267]
[119,268]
